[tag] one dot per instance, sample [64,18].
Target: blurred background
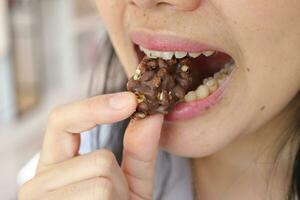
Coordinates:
[47,52]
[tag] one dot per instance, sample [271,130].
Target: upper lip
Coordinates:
[167,42]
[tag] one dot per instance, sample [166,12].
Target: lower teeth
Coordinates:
[210,84]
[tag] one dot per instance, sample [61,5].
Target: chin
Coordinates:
[194,142]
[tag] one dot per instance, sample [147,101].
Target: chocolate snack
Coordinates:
[159,85]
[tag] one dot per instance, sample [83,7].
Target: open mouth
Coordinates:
[209,69]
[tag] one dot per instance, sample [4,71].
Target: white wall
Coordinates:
[3,28]
[59,44]
[7,95]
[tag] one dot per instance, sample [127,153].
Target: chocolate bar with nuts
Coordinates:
[159,85]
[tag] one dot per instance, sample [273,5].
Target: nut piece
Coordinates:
[136,77]
[140,98]
[139,115]
[138,71]
[159,85]
[184,68]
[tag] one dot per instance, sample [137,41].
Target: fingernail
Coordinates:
[119,101]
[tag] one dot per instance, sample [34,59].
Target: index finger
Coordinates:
[66,122]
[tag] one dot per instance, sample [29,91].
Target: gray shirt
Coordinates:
[173,173]
[178,184]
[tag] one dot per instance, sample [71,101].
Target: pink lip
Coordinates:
[168,42]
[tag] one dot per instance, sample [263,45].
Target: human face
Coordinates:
[262,37]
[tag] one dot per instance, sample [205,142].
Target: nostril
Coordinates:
[185,5]
[144,3]
[163,3]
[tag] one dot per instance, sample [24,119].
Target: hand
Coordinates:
[63,174]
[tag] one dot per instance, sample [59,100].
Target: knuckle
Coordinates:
[70,191]
[24,192]
[108,155]
[102,187]
[104,160]
[90,106]
[54,115]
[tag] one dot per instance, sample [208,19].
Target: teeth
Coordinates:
[217,75]
[156,54]
[202,92]
[194,54]
[166,55]
[191,96]
[142,48]
[224,71]
[228,68]
[208,53]
[212,84]
[229,64]
[177,54]
[150,54]
[205,81]
[209,85]
[221,81]
[180,54]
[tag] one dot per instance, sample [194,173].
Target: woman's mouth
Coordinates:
[211,71]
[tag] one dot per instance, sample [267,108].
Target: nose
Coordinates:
[185,5]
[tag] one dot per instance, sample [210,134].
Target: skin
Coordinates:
[231,147]
[63,174]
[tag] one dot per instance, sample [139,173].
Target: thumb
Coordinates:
[141,142]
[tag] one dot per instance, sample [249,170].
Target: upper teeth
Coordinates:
[180,54]
[167,55]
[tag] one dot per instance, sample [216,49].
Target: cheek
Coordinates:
[269,38]
[112,15]
[111,12]
[265,30]
[268,34]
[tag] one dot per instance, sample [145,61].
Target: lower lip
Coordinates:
[185,111]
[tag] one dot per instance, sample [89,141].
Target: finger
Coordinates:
[61,141]
[140,150]
[93,189]
[101,163]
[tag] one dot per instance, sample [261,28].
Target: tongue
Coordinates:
[203,67]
